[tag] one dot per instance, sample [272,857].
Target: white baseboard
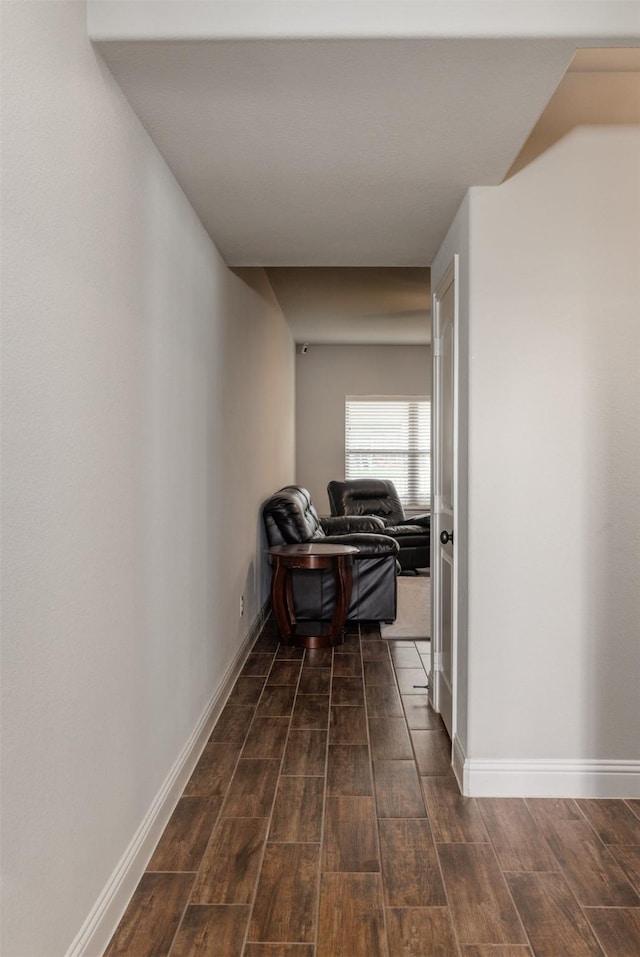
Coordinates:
[98,928]
[546,778]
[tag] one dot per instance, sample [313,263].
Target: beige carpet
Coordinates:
[414,609]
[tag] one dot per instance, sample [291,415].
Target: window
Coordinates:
[389,437]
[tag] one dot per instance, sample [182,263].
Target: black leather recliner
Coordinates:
[290,518]
[378,497]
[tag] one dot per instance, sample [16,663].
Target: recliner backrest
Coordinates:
[366,497]
[290,517]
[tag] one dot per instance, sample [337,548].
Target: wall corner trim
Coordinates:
[103,918]
[547,778]
[458,759]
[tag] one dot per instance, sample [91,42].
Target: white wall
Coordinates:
[324,376]
[554,463]
[147,412]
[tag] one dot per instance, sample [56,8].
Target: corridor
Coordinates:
[323,820]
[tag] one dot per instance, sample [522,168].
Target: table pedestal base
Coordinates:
[286,558]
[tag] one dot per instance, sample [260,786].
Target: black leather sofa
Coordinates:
[290,518]
[378,497]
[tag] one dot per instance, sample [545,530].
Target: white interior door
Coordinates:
[443,564]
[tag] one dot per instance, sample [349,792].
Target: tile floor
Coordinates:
[323,820]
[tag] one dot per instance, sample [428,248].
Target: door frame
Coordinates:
[436,691]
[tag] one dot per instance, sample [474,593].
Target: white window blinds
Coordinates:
[389,437]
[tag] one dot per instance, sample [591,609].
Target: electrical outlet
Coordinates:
[241,605]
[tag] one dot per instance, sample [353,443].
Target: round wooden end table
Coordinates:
[311,556]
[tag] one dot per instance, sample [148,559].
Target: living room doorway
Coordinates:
[359,331]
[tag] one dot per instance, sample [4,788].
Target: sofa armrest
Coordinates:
[348,524]
[423,519]
[367,545]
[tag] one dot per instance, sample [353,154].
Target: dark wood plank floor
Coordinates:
[323,820]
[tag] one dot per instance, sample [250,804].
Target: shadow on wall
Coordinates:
[582,99]
[257,582]
[612,727]
[257,279]
[263,582]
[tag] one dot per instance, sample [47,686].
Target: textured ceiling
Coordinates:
[383,306]
[336,152]
[355,153]
[392,306]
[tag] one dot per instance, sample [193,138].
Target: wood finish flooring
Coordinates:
[323,820]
